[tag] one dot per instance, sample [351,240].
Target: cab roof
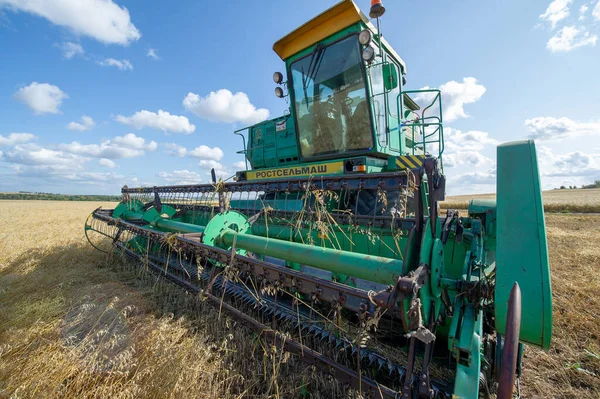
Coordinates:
[333,20]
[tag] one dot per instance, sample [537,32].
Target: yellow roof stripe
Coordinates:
[323,25]
[333,20]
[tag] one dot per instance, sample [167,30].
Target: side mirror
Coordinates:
[390,76]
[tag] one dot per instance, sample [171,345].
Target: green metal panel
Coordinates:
[467,351]
[522,251]
[273,143]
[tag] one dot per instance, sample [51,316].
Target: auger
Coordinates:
[333,234]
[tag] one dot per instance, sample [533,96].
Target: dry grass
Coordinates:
[564,201]
[74,325]
[571,368]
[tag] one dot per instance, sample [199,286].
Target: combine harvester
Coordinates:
[331,245]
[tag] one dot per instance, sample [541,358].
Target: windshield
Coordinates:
[330,100]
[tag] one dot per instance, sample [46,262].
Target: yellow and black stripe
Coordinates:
[410,161]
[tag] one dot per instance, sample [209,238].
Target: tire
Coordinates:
[370,203]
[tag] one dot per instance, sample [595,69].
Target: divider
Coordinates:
[522,250]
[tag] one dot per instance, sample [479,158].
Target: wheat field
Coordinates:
[568,200]
[76,323]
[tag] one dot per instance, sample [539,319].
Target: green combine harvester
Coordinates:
[331,243]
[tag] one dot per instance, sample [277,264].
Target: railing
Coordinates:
[244,152]
[425,131]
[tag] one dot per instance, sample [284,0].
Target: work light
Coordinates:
[365,37]
[368,54]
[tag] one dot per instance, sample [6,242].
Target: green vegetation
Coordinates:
[24,195]
[595,184]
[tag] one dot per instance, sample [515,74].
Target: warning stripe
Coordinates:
[410,161]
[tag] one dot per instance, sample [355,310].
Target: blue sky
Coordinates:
[95,94]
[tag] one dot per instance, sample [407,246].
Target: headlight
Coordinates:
[368,54]
[278,77]
[365,37]
[279,92]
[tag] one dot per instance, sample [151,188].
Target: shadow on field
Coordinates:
[75,322]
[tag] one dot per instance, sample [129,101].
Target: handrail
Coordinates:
[419,124]
[237,132]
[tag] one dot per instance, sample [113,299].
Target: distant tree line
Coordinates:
[595,184]
[24,195]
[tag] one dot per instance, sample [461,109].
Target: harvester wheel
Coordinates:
[374,203]
[510,349]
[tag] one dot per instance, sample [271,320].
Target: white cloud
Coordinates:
[16,138]
[91,177]
[473,158]
[240,165]
[466,148]
[550,128]
[175,149]
[123,65]
[596,11]
[472,182]
[127,146]
[86,123]
[181,177]
[486,177]
[33,155]
[153,54]
[70,49]
[161,121]
[42,98]
[130,140]
[575,163]
[221,174]
[455,96]
[582,11]
[556,12]
[102,20]
[210,164]
[224,106]
[201,152]
[473,139]
[56,166]
[220,170]
[107,163]
[572,168]
[205,152]
[570,38]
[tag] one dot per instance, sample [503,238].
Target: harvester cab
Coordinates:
[332,238]
[349,112]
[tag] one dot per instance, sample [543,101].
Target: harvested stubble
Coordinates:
[76,324]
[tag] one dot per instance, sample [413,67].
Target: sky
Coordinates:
[96,94]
